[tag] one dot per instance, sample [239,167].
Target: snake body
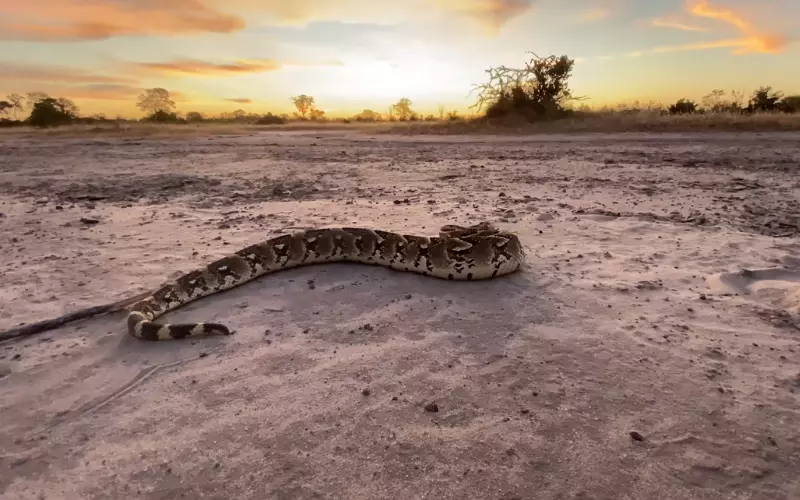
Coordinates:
[473,252]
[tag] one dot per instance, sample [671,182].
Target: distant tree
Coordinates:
[162,116]
[239,114]
[790,104]
[316,114]
[441,111]
[367,116]
[304,104]
[402,108]
[5,106]
[270,119]
[17,104]
[682,107]
[714,101]
[67,105]
[50,112]
[151,101]
[540,90]
[31,98]
[453,116]
[194,116]
[764,99]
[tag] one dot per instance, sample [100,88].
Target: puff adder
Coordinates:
[473,252]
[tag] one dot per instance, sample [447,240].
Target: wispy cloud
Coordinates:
[197,67]
[663,22]
[58,74]
[71,20]
[102,92]
[751,38]
[240,100]
[68,20]
[593,14]
[492,14]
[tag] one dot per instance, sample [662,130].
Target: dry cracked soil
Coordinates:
[649,348]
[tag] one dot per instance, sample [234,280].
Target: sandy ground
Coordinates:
[649,349]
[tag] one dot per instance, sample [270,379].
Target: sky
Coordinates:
[221,55]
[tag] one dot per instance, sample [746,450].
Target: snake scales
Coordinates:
[473,252]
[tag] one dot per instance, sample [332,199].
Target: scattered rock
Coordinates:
[432,407]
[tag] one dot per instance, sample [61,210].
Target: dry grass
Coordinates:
[594,121]
[621,121]
[167,130]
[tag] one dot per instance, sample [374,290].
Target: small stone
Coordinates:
[365,392]
[636,436]
[432,407]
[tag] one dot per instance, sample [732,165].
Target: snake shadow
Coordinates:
[332,300]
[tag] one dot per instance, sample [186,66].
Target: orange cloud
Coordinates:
[68,20]
[71,20]
[102,92]
[593,14]
[240,100]
[60,74]
[493,14]
[753,40]
[205,68]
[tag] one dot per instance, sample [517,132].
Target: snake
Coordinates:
[476,252]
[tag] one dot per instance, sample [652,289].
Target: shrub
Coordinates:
[683,107]
[50,112]
[162,116]
[270,119]
[539,91]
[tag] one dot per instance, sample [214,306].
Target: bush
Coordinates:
[683,107]
[6,122]
[49,112]
[164,117]
[539,91]
[790,104]
[764,99]
[270,119]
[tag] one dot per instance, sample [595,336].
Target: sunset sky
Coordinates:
[221,55]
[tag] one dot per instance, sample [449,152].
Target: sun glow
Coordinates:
[408,75]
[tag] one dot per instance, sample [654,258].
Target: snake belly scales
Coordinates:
[473,252]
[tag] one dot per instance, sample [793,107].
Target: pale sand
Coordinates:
[627,318]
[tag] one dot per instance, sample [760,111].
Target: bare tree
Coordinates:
[303,103]
[367,116]
[152,101]
[31,98]
[539,90]
[316,114]
[5,106]
[67,106]
[17,104]
[441,111]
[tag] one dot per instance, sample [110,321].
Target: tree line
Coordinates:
[158,106]
[537,91]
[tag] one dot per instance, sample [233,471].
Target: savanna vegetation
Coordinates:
[536,95]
